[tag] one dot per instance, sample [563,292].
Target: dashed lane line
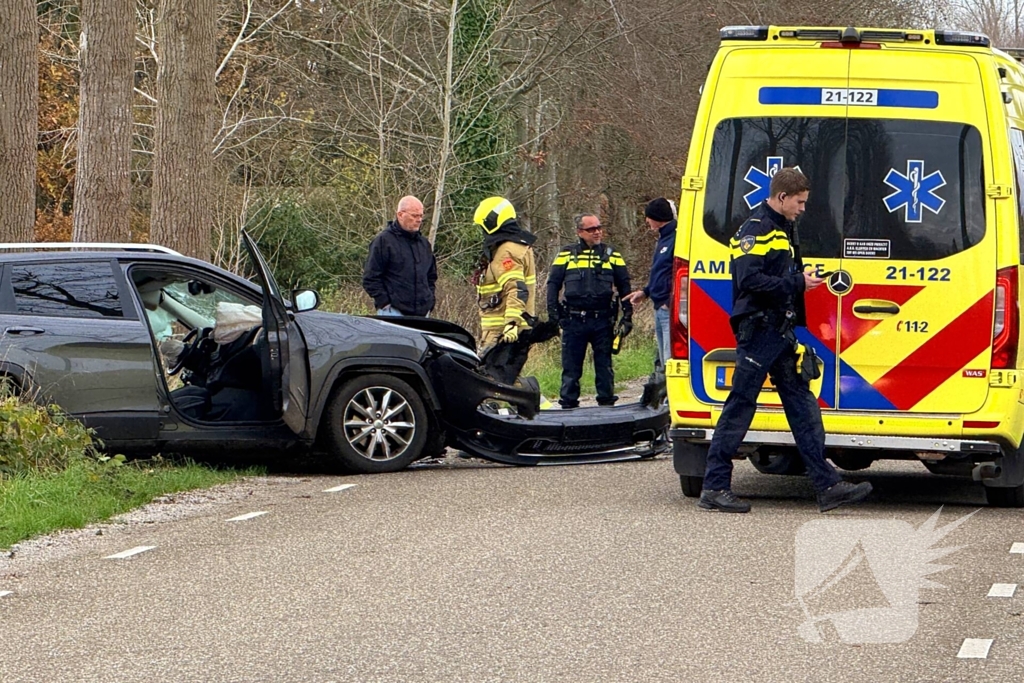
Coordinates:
[1002,590]
[975,648]
[339,488]
[248,515]
[1017,548]
[128,553]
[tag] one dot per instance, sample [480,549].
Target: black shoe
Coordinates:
[568,406]
[724,501]
[842,493]
[607,401]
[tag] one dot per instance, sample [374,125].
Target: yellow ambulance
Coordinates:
[913,141]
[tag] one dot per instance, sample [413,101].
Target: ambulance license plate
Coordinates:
[723,378]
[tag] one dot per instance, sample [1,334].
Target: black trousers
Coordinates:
[577,333]
[767,350]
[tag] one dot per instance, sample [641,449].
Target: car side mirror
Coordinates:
[305,300]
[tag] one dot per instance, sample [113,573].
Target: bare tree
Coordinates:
[186,32]
[102,180]
[19,92]
[999,19]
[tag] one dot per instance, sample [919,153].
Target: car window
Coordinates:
[78,290]
[746,153]
[1017,144]
[176,302]
[916,187]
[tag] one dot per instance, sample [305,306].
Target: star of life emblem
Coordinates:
[915,191]
[761,180]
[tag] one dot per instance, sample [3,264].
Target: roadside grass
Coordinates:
[34,503]
[636,359]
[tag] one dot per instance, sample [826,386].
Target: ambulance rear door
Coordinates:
[918,269]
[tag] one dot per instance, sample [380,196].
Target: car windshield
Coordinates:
[917,186]
[201,298]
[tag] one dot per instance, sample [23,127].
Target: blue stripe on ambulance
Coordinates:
[887,97]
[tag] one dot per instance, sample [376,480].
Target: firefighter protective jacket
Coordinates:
[767,275]
[508,286]
[588,275]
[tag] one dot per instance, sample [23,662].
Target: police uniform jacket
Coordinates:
[508,286]
[588,275]
[767,274]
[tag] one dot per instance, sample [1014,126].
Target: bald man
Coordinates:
[401,271]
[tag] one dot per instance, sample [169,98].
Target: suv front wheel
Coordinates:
[377,423]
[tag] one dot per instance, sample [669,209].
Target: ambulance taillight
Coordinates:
[679,322]
[1007,320]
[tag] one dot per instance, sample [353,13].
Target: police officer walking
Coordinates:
[768,285]
[588,270]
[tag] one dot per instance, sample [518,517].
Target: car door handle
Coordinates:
[876,307]
[24,330]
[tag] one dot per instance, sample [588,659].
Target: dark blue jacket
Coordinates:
[659,285]
[401,271]
[767,275]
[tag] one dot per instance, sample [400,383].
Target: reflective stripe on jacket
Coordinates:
[508,287]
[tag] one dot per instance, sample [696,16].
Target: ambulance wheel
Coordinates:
[777,461]
[1005,496]
[691,485]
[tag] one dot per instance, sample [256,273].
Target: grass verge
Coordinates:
[636,359]
[87,492]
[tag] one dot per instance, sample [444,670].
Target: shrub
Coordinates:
[36,438]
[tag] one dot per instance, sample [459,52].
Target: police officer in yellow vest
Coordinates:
[507,282]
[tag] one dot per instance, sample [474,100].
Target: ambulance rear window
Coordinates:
[916,186]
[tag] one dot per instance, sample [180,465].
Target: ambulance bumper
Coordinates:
[896,443]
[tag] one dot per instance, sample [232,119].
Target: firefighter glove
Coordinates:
[625,327]
[511,332]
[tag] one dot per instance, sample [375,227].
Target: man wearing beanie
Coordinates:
[660,215]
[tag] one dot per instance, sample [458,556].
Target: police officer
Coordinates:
[768,285]
[506,282]
[588,270]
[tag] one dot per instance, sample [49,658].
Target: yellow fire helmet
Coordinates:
[494,212]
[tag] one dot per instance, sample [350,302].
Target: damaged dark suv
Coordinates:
[157,351]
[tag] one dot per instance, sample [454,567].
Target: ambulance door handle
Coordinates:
[876,307]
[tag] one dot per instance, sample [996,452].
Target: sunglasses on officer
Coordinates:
[592,229]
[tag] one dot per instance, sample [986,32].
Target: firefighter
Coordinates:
[768,285]
[506,281]
[588,270]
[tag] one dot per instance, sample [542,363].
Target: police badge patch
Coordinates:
[746,244]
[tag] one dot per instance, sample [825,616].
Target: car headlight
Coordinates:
[453,346]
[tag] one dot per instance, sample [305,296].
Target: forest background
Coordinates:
[182,122]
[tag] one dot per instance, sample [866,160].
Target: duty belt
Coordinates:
[589,313]
[783,321]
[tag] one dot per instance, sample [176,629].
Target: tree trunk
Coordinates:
[19,95]
[185,124]
[102,174]
[446,123]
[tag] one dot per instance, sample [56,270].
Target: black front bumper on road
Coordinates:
[529,436]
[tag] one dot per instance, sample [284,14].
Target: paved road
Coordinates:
[487,573]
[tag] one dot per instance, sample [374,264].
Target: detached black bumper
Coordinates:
[529,436]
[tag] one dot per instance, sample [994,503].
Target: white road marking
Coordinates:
[128,553]
[1002,590]
[339,488]
[3,593]
[975,648]
[1017,548]
[248,515]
